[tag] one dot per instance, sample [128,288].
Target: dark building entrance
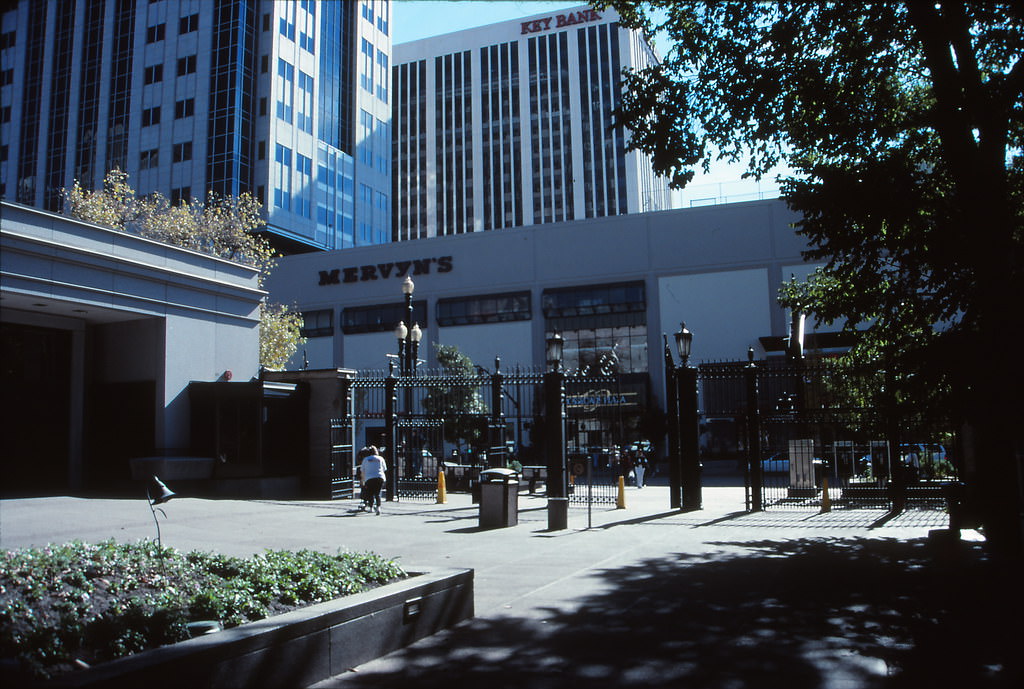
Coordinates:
[35,376]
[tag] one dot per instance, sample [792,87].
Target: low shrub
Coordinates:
[78,604]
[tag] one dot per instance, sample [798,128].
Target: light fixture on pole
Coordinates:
[684,341]
[688,423]
[157,493]
[555,345]
[554,435]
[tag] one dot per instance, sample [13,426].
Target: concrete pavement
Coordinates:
[646,596]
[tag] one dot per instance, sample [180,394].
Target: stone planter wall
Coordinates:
[301,647]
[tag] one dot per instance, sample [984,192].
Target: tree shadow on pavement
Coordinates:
[795,613]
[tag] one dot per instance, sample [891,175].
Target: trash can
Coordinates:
[499,498]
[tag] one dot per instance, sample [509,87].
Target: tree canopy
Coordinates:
[901,123]
[223,226]
[461,405]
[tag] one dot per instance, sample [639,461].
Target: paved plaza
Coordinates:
[643,596]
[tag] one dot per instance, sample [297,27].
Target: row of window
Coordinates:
[158,32]
[151,159]
[155,73]
[621,298]
[366,10]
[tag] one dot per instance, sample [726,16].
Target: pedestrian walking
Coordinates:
[640,467]
[372,472]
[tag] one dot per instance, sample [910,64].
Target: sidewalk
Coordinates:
[646,597]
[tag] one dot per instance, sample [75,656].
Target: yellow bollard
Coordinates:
[620,502]
[442,491]
[826,503]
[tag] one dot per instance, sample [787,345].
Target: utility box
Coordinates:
[499,498]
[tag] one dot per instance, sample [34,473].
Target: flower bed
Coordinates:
[68,607]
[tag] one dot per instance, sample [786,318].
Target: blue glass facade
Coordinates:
[197,96]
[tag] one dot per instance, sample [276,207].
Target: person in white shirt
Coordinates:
[372,474]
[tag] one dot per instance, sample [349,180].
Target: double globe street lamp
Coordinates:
[408,353]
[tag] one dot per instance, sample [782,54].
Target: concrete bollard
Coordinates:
[826,502]
[620,501]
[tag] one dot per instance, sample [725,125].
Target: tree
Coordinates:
[279,335]
[901,122]
[458,402]
[224,227]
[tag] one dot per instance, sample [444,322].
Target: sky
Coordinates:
[415,19]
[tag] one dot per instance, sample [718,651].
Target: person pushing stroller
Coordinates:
[372,473]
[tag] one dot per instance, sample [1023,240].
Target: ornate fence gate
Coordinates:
[803,433]
[461,425]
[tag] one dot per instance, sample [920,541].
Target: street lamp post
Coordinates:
[689,422]
[554,440]
[408,353]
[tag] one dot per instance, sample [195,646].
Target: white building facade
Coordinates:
[287,100]
[607,285]
[509,125]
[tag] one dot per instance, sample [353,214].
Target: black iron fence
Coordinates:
[459,425]
[806,433]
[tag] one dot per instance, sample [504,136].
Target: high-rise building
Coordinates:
[511,124]
[287,100]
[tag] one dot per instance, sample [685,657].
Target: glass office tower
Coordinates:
[288,100]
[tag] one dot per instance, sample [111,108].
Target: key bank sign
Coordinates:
[560,21]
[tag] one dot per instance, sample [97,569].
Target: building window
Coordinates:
[306,42]
[626,297]
[263,106]
[183,151]
[181,194]
[186,65]
[303,200]
[149,159]
[185,108]
[283,178]
[287,29]
[8,39]
[7,77]
[155,33]
[305,115]
[366,139]
[285,86]
[600,324]
[382,18]
[367,10]
[380,319]
[266,21]
[188,24]
[366,75]
[491,308]
[317,323]
[153,74]
[151,116]
[264,64]
[382,64]
[261,150]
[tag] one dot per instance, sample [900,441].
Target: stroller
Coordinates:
[365,499]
